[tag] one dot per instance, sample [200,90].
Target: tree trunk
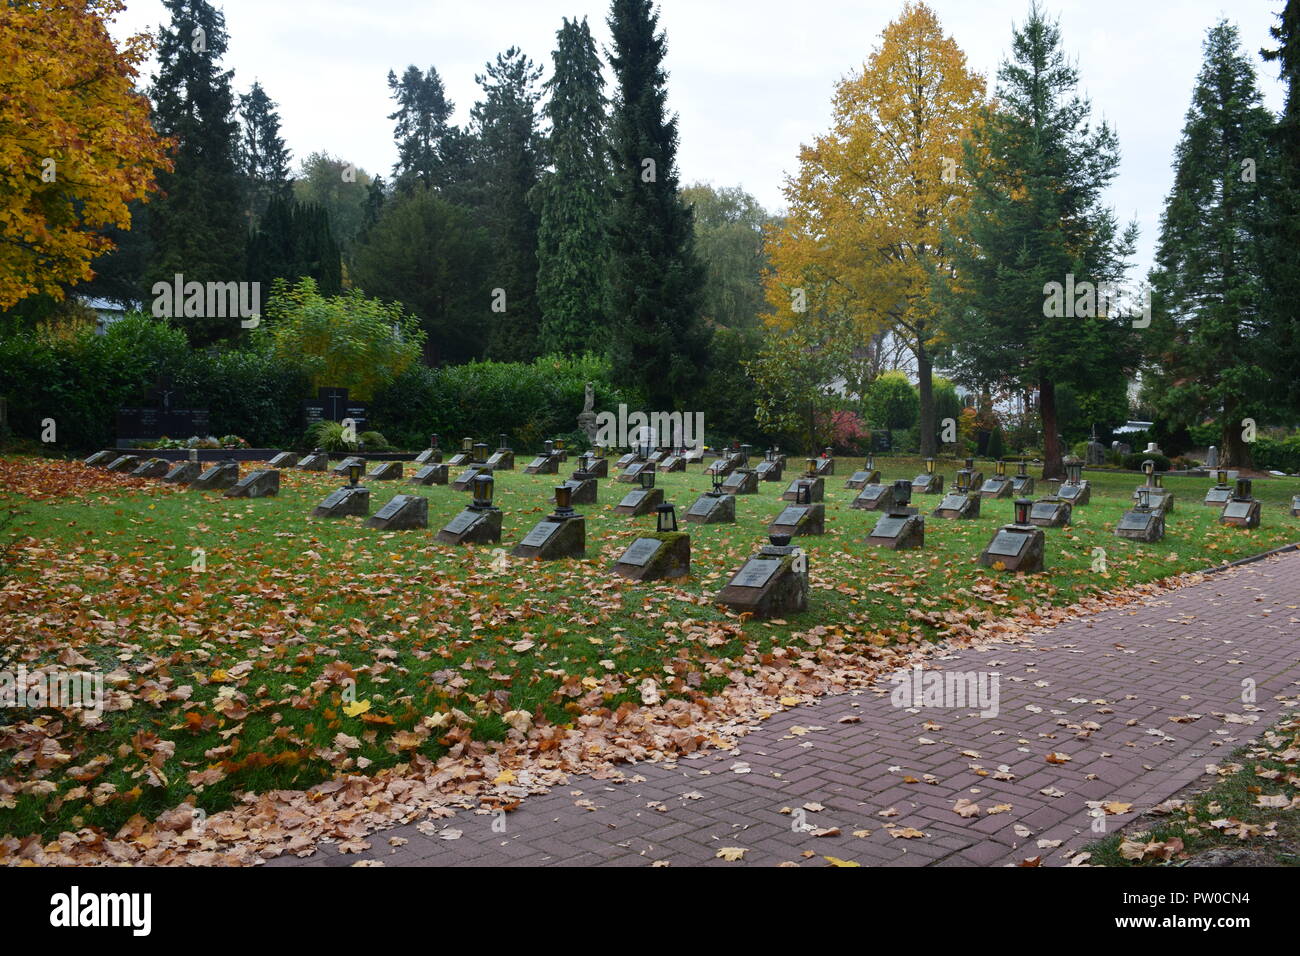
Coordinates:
[1236,451]
[1053,467]
[925,387]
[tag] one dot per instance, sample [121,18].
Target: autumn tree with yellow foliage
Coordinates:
[873,198]
[76,144]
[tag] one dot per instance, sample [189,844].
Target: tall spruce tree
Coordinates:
[263,157]
[292,240]
[507,166]
[1282,263]
[1207,279]
[573,200]
[1036,217]
[429,148]
[197,223]
[658,342]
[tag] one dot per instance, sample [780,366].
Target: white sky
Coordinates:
[750,79]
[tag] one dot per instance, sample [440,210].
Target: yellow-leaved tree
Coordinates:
[76,144]
[876,196]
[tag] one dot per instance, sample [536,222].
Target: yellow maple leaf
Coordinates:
[356,708]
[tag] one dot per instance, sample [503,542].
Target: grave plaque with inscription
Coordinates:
[473,526]
[1239,513]
[639,502]
[124,463]
[386,471]
[342,502]
[261,483]
[432,474]
[1139,525]
[100,459]
[1050,513]
[401,513]
[666,555]
[898,532]
[551,539]
[742,481]
[1015,548]
[182,473]
[773,583]
[958,505]
[219,477]
[709,508]
[285,459]
[316,461]
[816,489]
[152,468]
[874,498]
[800,520]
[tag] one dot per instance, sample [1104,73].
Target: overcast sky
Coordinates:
[750,79]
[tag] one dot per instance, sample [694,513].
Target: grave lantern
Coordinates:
[1149,469]
[803,493]
[480,451]
[433,440]
[354,473]
[484,485]
[779,540]
[361,448]
[194,454]
[770,454]
[1223,476]
[559,444]
[502,441]
[871,462]
[549,446]
[963,479]
[665,518]
[1144,499]
[563,500]
[1000,467]
[467,444]
[744,454]
[600,451]
[902,492]
[970,465]
[717,483]
[1243,489]
[811,469]
[929,466]
[1074,471]
[647,478]
[827,452]
[1022,510]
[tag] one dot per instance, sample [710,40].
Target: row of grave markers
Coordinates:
[774,581]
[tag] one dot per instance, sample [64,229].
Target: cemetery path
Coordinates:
[1117,693]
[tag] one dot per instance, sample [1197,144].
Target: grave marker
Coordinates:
[1018,546]
[434,473]
[259,483]
[773,583]
[386,471]
[401,513]
[902,528]
[318,460]
[480,523]
[928,483]
[151,468]
[562,534]
[1242,510]
[285,459]
[218,477]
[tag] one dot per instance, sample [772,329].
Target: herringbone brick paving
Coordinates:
[1129,670]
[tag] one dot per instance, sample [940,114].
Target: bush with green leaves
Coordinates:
[1133,462]
[347,341]
[1274,454]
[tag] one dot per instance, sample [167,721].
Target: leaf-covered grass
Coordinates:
[236,678]
[1253,805]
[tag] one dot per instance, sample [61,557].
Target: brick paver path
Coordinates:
[1101,690]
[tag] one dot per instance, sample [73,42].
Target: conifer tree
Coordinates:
[573,200]
[658,342]
[1211,254]
[198,224]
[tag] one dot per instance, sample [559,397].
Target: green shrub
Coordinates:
[1272,454]
[996,448]
[374,441]
[1133,461]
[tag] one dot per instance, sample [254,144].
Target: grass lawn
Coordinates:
[233,678]
[1251,798]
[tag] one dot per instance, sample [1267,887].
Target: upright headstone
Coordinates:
[998,485]
[1050,512]
[100,459]
[386,471]
[962,502]
[503,459]
[801,518]
[663,555]
[1219,495]
[464,456]
[1075,489]
[431,455]
[826,463]
[1212,457]
[1022,484]
[285,459]
[341,469]
[1141,522]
